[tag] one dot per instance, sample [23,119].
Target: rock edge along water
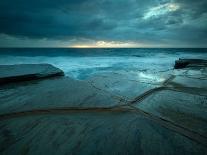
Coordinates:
[183,63]
[25,72]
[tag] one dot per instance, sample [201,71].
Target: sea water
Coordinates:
[83,63]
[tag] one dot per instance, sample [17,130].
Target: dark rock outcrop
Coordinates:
[183,63]
[25,72]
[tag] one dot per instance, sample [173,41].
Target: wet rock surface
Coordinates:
[187,110]
[184,63]
[92,133]
[53,93]
[110,113]
[25,72]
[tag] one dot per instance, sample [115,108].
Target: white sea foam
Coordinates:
[81,67]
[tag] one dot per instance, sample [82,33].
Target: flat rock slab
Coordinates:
[53,93]
[66,116]
[200,73]
[128,86]
[185,109]
[92,133]
[182,81]
[24,72]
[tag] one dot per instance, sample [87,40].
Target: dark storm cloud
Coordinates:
[52,19]
[152,21]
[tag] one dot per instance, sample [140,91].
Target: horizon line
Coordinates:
[111,47]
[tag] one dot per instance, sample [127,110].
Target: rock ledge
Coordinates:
[183,63]
[25,72]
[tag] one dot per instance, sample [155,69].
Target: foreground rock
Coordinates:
[92,133]
[53,93]
[24,72]
[183,63]
[111,113]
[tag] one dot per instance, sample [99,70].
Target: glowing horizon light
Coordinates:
[111,44]
[161,10]
[81,46]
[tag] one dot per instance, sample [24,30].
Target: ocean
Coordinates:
[84,63]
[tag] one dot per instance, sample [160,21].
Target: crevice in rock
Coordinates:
[62,110]
[117,97]
[190,90]
[126,107]
[152,91]
[145,95]
[165,83]
[195,136]
[201,139]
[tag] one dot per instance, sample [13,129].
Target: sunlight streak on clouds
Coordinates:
[161,10]
[109,44]
[103,23]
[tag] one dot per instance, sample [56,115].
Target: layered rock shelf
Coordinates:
[110,113]
[183,63]
[25,72]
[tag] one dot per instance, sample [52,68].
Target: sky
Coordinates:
[103,23]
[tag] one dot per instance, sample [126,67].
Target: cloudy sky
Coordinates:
[103,23]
